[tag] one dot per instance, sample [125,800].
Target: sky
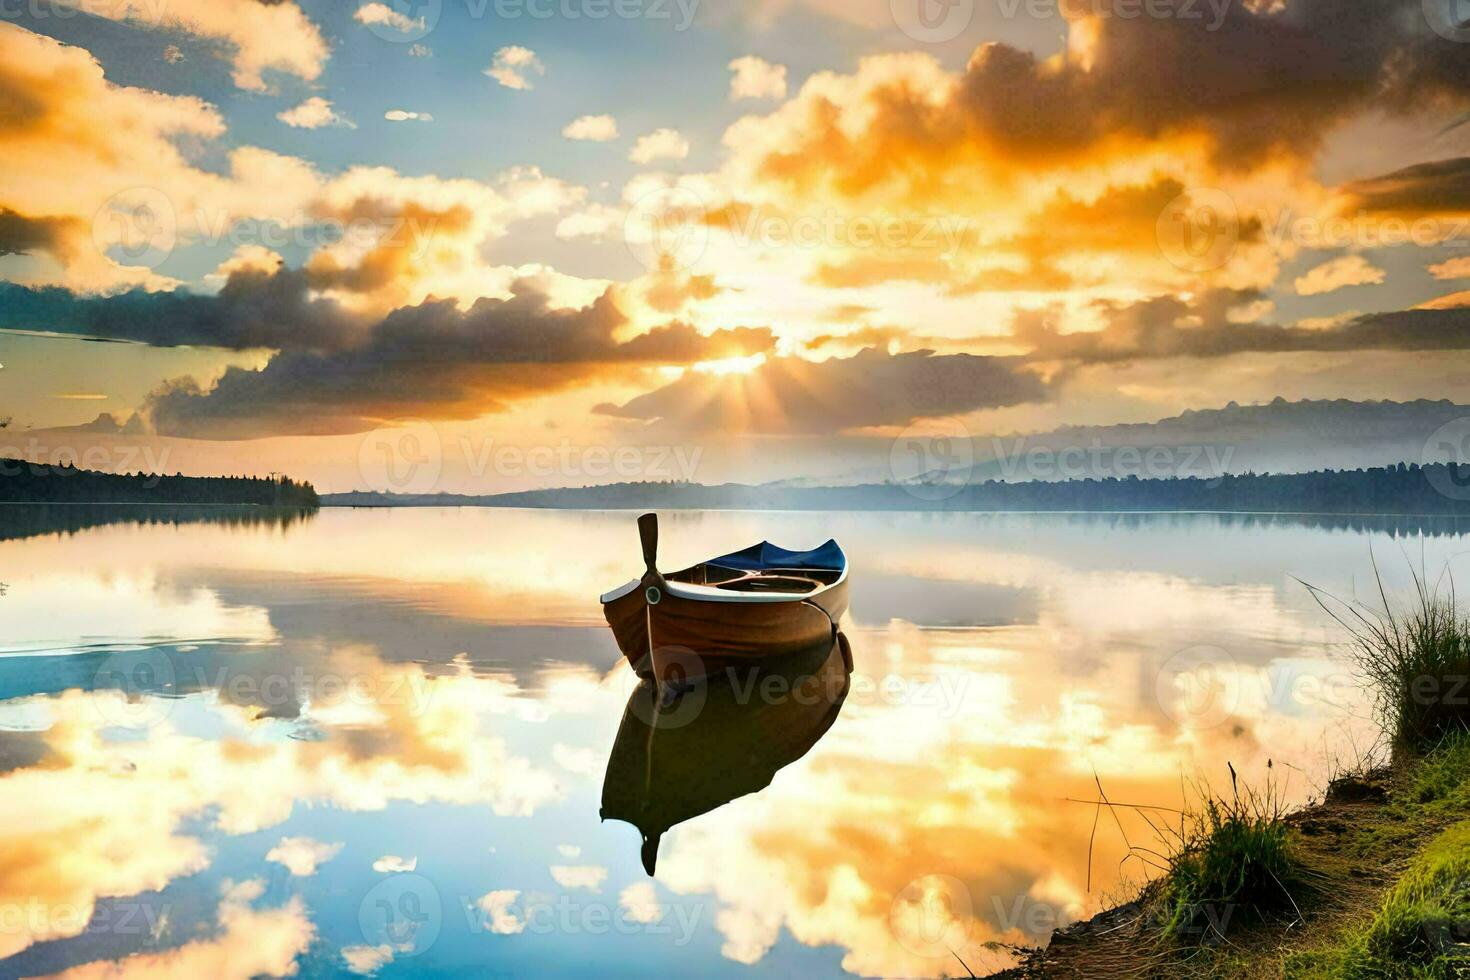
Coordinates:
[561,242]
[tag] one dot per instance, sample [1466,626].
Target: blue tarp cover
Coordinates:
[759,557]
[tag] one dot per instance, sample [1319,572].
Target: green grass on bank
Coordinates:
[1373,883]
[1242,862]
[1441,783]
[1421,931]
[1233,864]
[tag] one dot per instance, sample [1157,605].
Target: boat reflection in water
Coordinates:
[678,757]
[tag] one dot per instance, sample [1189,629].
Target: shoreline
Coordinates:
[1356,846]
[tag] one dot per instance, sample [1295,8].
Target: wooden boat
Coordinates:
[728,612]
[675,760]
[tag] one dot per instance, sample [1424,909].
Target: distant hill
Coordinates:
[1277,437]
[26,482]
[1441,489]
[1289,437]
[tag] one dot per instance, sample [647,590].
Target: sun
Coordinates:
[731,365]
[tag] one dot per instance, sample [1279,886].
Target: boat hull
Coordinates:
[681,638]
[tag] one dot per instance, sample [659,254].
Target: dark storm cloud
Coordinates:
[1260,78]
[435,361]
[21,235]
[254,310]
[872,388]
[1170,327]
[1441,187]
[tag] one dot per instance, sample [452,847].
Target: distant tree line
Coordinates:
[1404,489]
[26,482]
[38,520]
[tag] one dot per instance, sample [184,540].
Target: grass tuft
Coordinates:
[1232,863]
[1416,659]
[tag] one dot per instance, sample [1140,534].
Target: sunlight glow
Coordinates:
[731,365]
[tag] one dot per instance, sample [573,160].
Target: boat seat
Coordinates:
[756,582]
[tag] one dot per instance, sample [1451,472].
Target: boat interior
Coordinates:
[796,580]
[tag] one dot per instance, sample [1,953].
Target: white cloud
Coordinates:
[597,129]
[404,115]
[1350,270]
[392,864]
[582,761]
[596,221]
[512,65]
[264,36]
[366,960]
[639,902]
[569,850]
[756,78]
[301,855]
[314,113]
[497,905]
[382,15]
[588,876]
[421,51]
[661,144]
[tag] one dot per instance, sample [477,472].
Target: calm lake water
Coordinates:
[375,742]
